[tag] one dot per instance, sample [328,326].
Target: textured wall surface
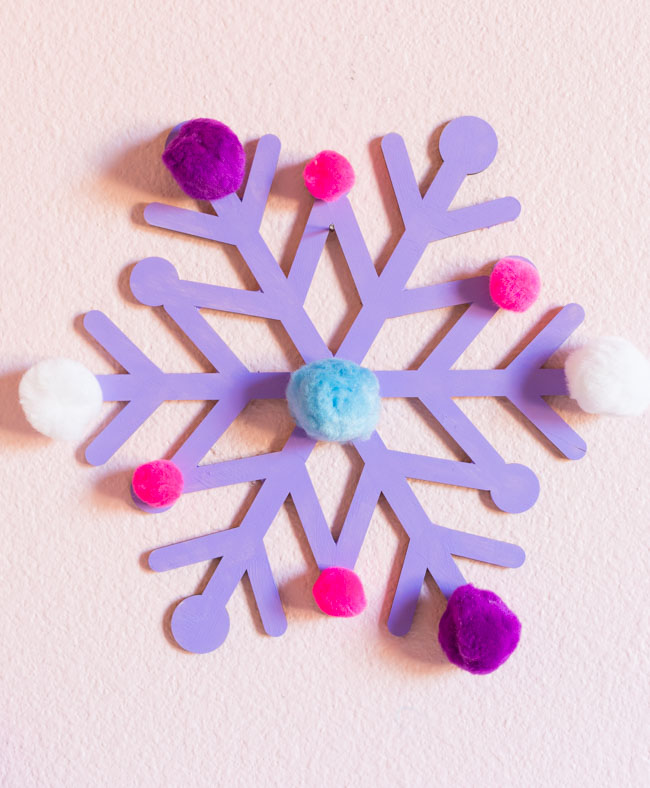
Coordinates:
[92,691]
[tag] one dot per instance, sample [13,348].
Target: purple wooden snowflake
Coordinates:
[200,623]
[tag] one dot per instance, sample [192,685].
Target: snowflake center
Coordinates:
[335,400]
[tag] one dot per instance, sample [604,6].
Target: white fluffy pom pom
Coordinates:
[60,398]
[609,375]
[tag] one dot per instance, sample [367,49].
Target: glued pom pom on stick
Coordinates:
[514,284]
[335,400]
[328,176]
[206,159]
[60,398]
[609,375]
[339,592]
[478,631]
[158,484]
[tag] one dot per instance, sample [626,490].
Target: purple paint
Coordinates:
[200,623]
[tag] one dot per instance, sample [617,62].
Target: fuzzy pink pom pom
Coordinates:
[328,176]
[339,592]
[158,483]
[514,284]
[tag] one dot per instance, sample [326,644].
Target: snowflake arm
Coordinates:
[430,547]
[426,219]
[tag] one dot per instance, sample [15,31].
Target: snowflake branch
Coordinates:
[203,386]
[102,329]
[452,419]
[480,548]
[120,429]
[241,550]
[422,299]
[402,178]
[399,382]
[407,592]
[309,250]
[476,217]
[266,594]
[183,220]
[194,551]
[145,387]
[357,519]
[244,469]
[435,469]
[237,223]
[458,338]
[354,248]
[312,518]
[549,339]
[244,540]
[198,330]
[260,178]
[145,399]
[424,221]
[523,381]
[208,432]
[552,426]
[417,561]
[431,547]
[416,523]
[502,382]
[229,299]
[277,470]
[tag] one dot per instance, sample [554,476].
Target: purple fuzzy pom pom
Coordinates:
[478,631]
[206,158]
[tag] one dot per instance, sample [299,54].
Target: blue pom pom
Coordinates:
[335,400]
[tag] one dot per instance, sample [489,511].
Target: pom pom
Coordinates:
[514,284]
[339,592]
[477,631]
[206,158]
[609,375]
[158,484]
[335,400]
[60,398]
[328,176]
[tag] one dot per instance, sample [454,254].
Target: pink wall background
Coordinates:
[92,693]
